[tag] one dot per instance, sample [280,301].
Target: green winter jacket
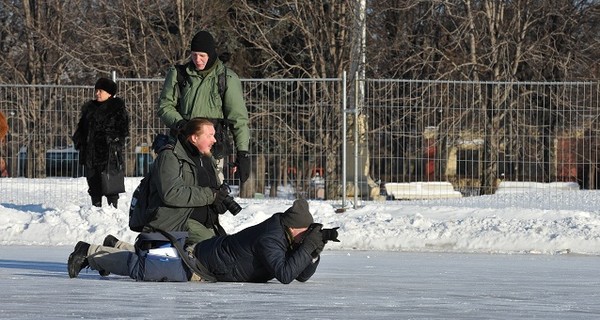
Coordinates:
[175,191]
[202,99]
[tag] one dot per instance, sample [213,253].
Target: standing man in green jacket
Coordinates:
[206,88]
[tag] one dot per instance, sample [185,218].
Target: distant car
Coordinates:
[63,163]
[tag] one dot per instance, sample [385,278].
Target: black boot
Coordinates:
[110,241]
[113,201]
[78,259]
[97,201]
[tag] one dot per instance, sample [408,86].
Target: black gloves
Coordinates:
[242,162]
[313,240]
[220,195]
[177,127]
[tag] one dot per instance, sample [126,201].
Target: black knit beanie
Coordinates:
[106,85]
[297,216]
[203,41]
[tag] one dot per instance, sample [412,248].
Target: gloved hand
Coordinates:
[242,162]
[110,140]
[220,194]
[313,240]
[177,127]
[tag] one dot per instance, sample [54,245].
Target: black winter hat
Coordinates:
[106,85]
[203,41]
[297,216]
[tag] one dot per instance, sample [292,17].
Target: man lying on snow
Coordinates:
[286,246]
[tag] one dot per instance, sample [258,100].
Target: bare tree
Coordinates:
[300,39]
[493,41]
[75,41]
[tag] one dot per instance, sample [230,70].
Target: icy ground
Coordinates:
[348,285]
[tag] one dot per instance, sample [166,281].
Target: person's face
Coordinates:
[298,234]
[101,95]
[204,139]
[200,59]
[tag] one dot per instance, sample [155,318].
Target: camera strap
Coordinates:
[190,262]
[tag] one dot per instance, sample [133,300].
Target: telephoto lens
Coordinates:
[231,205]
[330,234]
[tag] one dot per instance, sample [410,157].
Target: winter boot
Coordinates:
[113,201]
[110,241]
[97,201]
[78,259]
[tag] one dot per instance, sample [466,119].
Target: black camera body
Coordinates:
[326,233]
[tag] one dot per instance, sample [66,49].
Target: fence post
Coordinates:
[359,95]
[344,137]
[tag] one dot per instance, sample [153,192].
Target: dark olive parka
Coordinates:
[179,185]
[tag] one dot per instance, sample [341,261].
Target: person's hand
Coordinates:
[220,194]
[242,164]
[313,240]
[178,127]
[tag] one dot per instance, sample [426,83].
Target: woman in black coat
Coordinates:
[102,129]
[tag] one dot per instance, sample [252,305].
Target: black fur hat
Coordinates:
[106,85]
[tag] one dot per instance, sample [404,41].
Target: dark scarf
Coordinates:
[205,174]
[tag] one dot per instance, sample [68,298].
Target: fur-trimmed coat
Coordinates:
[102,125]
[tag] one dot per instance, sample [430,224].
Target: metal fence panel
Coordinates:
[481,137]
[295,133]
[417,139]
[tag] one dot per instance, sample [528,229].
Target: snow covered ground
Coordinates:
[507,256]
[546,222]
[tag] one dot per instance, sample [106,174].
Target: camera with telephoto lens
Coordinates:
[327,234]
[229,203]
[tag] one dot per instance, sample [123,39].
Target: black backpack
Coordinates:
[139,213]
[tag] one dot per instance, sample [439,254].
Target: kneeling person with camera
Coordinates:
[184,194]
[286,247]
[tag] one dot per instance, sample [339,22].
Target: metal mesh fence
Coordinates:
[481,137]
[415,139]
